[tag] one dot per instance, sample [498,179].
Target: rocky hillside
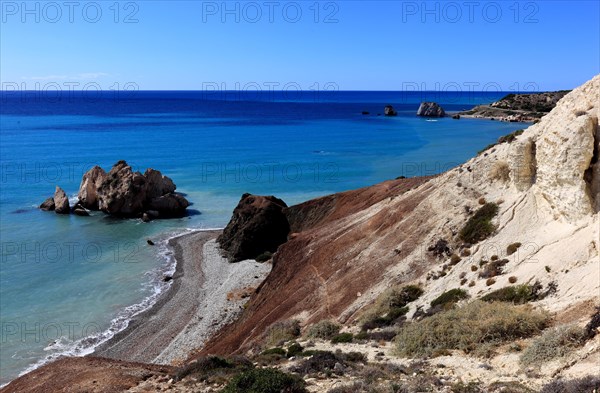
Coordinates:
[435,268]
[518,107]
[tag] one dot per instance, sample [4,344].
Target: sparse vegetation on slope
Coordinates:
[553,343]
[469,327]
[450,297]
[324,330]
[480,226]
[265,380]
[390,306]
[518,294]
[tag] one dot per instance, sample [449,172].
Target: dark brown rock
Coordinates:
[91,181]
[258,225]
[126,193]
[389,111]
[122,192]
[430,109]
[48,204]
[61,202]
[170,205]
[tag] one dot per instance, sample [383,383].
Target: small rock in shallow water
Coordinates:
[150,242]
[167,278]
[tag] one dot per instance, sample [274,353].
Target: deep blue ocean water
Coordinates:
[68,282]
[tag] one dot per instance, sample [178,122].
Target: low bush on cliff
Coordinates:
[390,307]
[479,226]
[512,248]
[553,343]
[342,338]
[517,294]
[324,330]
[280,332]
[265,380]
[450,297]
[493,268]
[325,362]
[213,369]
[477,324]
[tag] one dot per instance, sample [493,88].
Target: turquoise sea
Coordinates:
[68,283]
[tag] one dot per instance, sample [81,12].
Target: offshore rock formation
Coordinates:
[123,193]
[258,225]
[91,181]
[389,111]
[430,109]
[59,203]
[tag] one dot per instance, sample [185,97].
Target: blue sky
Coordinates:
[352,45]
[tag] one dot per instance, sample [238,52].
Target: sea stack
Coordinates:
[258,225]
[430,109]
[390,111]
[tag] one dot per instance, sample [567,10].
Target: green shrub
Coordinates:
[274,351]
[342,338]
[493,269]
[324,330]
[264,257]
[517,294]
[553,343]
[212,368]
[265,380]
[454,259]
[390,306]
[319,362]
[512,248]
[449,297]
[282,331]
[479,226]
[294,350]
[468,328]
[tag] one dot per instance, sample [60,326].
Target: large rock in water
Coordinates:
[91,181]
[169,205]
[125,193]
[430,109]
[258,225]
[389,111]
[61,202]
[122,192]
[48,204]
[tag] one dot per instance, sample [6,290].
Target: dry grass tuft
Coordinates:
[467,328]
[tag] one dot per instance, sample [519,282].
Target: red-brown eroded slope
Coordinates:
[341,247]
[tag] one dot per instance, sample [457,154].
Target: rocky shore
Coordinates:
[207,293]
[517,107]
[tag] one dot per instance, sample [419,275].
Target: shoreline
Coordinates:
[197,304]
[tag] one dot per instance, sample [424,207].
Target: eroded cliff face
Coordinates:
[347,248]
[558,157]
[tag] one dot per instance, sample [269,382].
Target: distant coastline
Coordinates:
[528,108]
